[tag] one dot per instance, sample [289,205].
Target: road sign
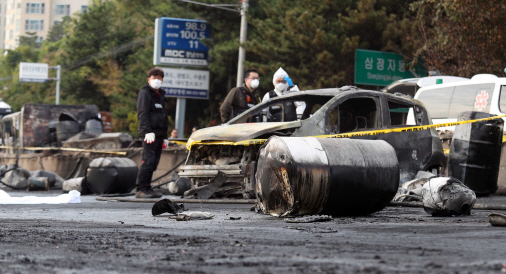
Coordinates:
[186,83]
[378,68]
[33,72]
[178,42]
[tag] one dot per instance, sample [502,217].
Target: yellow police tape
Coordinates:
[178,142]
[67,149]
[344,135]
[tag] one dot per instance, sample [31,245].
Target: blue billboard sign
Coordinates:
[178,42]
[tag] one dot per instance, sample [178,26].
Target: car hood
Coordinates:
[240,132]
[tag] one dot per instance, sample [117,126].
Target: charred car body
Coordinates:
[233,148]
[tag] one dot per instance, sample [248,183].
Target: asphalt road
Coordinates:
[119,237]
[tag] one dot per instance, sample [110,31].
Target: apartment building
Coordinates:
[21,16]
[3,8]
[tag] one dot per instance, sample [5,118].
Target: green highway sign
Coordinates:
[377,68]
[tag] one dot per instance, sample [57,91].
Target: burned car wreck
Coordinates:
[232,149]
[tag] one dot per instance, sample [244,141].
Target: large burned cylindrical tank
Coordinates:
[111,175]
[475,152]
[340,177]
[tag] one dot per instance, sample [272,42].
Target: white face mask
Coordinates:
[280,87]
[155,83]
[254,83]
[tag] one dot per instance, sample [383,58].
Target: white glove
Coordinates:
[165,143]
[149,138]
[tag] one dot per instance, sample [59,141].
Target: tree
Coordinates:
[93,57]
[57,32]
[315,41]
[462,38]
[29,40]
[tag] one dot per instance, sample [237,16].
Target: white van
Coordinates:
[411,85]
[483,92]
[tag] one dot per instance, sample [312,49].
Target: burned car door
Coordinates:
[416,150]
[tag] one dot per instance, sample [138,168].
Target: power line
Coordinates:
[218,6]
[100,55]
[110,52]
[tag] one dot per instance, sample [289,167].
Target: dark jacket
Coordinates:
[151,112]
[238,100]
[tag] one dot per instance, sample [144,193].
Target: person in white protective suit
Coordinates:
[284,85]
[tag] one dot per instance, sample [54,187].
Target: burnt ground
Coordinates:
[117,237]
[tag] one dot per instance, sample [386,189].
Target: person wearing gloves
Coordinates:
[153,125]
[240,99]
[282,86]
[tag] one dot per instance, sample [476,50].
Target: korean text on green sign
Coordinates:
[378,68]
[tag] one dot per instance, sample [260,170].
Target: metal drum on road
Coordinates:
[475,152]
[111,175]
[340,177]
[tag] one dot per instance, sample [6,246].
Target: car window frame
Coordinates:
[388,118]
[278,100]
[375,97]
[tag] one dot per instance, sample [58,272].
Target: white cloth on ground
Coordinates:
[73,197]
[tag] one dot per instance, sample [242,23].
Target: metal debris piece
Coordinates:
[194,215]
[179,186]
[310,219]
[446,196]
[235,218]
[411,190]
[205,192]
[424,175]
[166,206]
[497,219]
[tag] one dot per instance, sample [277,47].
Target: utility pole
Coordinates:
[58,80]
[242,40]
